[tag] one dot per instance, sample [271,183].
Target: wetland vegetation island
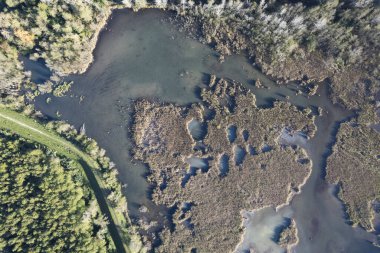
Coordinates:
[194,126]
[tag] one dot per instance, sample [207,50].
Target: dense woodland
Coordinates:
[100,165]
[46,204]
[300,40]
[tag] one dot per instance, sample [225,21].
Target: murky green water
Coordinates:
[142,55]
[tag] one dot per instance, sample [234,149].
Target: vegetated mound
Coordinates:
[288,235]
[239,165]
[46,204]
[355,166]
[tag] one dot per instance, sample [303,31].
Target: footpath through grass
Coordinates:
[31,129]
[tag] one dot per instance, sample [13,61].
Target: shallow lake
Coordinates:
[144,55]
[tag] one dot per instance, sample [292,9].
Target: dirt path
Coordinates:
[23,126]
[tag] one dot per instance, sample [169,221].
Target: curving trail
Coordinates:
[31,129]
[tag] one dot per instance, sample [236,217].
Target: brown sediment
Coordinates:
[355,166]
[208,203]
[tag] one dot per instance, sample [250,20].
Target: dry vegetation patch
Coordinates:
[206,191]
[355,166]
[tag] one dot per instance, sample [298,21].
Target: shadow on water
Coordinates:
[205,80]
[209,114]
[335,192]
[232,133]
[320,216]
[266,148]
[192,172]
[197,129]
[99,194]
[170,213]
[40,72]
[197,92]
[252,150]
[239,155]
[137,57]
[150,191]
[331,143]
[279,229]
[267,102]
[224,165]
[376,209]
[245,135]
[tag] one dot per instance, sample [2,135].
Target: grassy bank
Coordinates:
[31,129]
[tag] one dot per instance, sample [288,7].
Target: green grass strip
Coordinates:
[31,129]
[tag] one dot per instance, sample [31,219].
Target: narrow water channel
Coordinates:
[143,55]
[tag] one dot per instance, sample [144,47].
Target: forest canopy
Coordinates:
[46,204]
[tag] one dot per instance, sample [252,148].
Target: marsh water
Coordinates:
[144,55]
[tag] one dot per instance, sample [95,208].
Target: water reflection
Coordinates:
[141,55]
